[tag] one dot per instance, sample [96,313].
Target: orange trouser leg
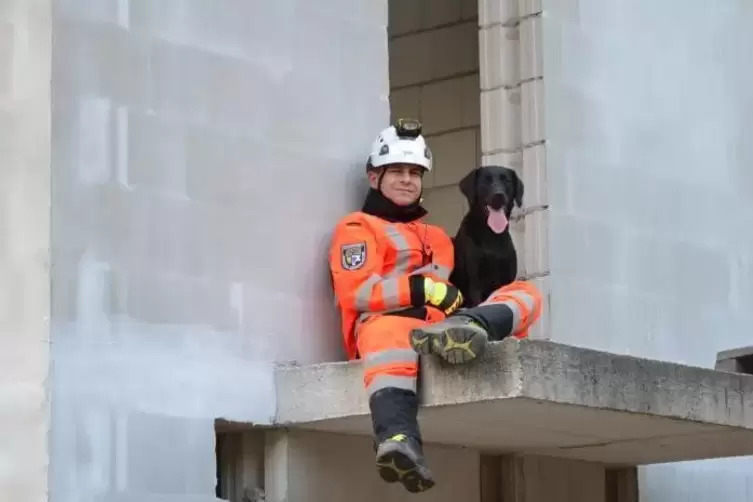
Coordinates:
[390,374]
[388,359]
[525,302]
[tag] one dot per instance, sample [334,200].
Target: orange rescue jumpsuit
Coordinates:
[372,261]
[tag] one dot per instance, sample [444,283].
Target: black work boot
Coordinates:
[458,339]
[399,458]
[399,451]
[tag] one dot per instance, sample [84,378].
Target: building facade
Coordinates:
[170,172]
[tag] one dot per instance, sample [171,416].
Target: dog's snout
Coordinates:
[498,200]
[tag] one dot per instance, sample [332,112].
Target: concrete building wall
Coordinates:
[24,249]
[172,122]
[307,466]
[649,114]
[313,466]
[193,142]
[339,468]
[434,76]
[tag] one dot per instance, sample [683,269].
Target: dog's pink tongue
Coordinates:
[497,220]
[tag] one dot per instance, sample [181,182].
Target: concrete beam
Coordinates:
[529,478]
[545,398]
[622,485]
[736,360]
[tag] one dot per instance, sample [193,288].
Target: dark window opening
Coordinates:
[219,454]
[746,364]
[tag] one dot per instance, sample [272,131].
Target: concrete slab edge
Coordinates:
[532,369]
[566,374]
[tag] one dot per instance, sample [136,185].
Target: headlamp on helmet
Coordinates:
[401,143]
[408,128]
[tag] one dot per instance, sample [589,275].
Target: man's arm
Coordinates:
[356,266]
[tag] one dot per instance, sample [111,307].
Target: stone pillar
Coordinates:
[512,123]
[25,54]
[530,478]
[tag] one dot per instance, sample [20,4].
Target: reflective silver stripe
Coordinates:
[527,299]
[391,293]
[403,256]
[442,271]
[402,262]
[363,317]
[432,268]
[408,356]
[517,315]
[363,293]
[390,381]
[391,282]
[366,315]
[423,270]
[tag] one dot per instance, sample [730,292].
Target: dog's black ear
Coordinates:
[518,189]
[468,186]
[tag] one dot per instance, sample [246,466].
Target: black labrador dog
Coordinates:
[485,257]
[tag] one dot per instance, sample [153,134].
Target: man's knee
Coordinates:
[524,299]
[390,367]
[402,376]
[387,358]
[385,331]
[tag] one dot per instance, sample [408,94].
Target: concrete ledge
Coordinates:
[736,360]
[550,399]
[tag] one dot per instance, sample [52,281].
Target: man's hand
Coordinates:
[445,297]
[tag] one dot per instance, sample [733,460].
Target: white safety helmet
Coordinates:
[401,143]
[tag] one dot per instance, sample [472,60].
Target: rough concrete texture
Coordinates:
[551,399]
[193,142]
[24,249]
[649,114]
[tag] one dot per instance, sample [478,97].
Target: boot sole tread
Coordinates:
[413,476]
[427,342]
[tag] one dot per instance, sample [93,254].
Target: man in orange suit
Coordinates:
[390,271]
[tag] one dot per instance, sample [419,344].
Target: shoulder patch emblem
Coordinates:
[353,256]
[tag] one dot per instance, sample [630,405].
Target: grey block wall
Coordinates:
[434,76]
[649,115]
[203,150]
